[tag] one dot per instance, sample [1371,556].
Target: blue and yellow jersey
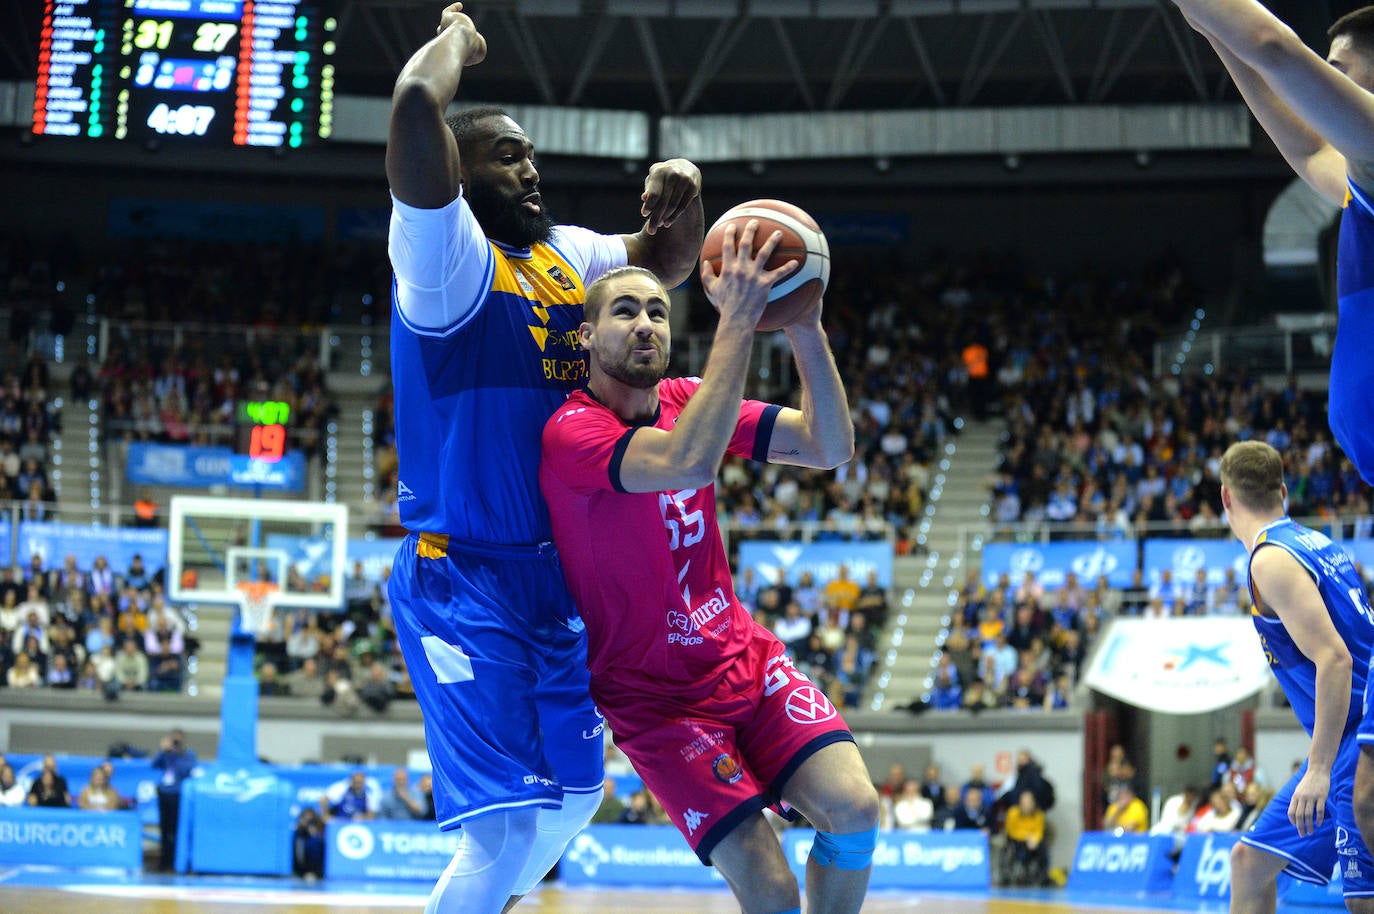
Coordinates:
[1355,260]
[1342,591]
[484,347]
[1351,406]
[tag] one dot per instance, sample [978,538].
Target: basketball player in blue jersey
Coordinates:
[1320,114]
[1317,630]
[487,299]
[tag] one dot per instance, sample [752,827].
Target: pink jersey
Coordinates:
[648,571]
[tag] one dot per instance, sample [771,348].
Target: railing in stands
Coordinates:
[1302,348]
[972,537]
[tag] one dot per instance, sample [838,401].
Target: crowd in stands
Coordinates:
[830,628]
[28,421]
[344,661]
[918,347]
[1101,445]
[168,386]
[1013,810]
[51,789]
[93,630]
[1237,794]
[1017,648]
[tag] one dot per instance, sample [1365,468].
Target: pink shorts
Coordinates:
[718,761]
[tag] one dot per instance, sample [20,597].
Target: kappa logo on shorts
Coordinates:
[693,819]
[808,705]
[727,769]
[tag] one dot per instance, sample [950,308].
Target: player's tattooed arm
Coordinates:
[821,433]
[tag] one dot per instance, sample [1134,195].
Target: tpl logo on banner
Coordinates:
[1213,871]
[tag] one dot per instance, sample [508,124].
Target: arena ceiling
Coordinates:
[724,56]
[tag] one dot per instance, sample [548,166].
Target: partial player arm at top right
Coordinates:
[1325,99]
[422,164]
[1316,161]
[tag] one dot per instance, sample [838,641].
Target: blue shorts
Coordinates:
[1314,858]
[498,657]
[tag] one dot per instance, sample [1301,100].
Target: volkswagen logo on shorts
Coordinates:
[1188,559]
[1023,560]
[1091,565]
[355,842]
[727,769]
[808,705]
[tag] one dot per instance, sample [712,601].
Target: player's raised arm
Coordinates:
[1285,587]
[1314,159]
[674,225]
[689,455]
[1318,92]
[821,433]
[422,163]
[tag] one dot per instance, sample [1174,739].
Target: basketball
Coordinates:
[802,241]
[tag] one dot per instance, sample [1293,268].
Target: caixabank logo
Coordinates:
[587,854]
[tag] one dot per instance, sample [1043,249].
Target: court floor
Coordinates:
[48,891]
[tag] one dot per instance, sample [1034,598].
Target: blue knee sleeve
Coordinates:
[853,851]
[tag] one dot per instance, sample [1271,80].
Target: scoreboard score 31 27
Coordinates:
[220,72]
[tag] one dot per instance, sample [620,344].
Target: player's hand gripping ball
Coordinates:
[797,293]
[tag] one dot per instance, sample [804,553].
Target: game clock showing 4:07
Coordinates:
[220,72]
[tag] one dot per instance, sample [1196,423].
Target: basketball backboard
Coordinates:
[218,547]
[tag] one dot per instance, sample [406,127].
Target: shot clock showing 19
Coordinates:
[218,72]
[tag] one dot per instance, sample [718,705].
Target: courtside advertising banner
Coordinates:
[911,860]
[42,836]
[1184,557]
[1052,562]
[1204,867]
[774,562]
[1180,665]
[387,849]
[648,855]
[1107,862]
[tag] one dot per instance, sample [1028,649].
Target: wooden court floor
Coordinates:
[550,900]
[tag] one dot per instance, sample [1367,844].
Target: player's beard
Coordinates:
[505,220]
[638,376]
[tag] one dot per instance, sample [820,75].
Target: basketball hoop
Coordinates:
[255,607]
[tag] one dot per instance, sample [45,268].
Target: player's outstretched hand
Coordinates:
[1308,806]
[742,287]
[669,188]
[454,17]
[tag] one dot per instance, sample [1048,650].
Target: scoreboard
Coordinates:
[217,72]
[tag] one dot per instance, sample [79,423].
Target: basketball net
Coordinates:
[255,606]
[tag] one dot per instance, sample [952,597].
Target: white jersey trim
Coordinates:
[1360,197]
[443,265]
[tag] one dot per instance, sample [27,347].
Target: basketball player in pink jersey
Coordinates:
[704,702]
